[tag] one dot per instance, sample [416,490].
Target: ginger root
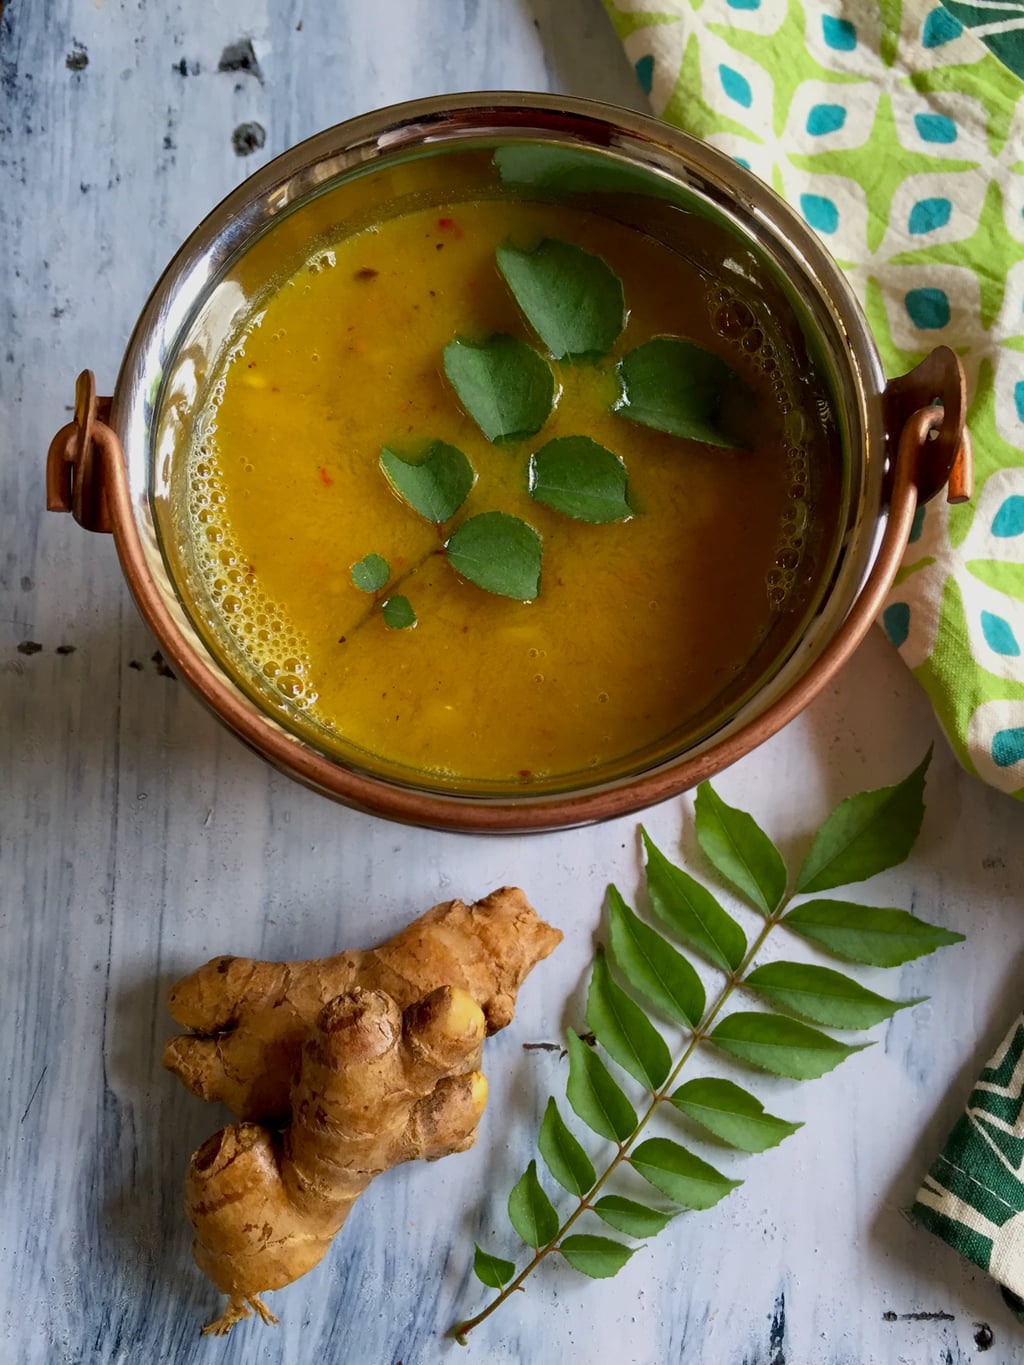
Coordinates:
[339,1069]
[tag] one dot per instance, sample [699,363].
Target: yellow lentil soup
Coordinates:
[644,632]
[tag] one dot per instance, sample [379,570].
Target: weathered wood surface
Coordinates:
[136,838]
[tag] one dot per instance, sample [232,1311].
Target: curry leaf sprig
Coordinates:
[864,835]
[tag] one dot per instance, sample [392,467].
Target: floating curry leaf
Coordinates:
[370,573]
[398,613]
[580,478]
[572,299]
[875,935]
[504,384]
[499,553]
[676,386]
[435,486]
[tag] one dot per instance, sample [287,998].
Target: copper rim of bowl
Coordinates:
[875,537]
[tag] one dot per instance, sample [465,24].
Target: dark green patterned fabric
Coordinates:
[1000,26]
[973,1196]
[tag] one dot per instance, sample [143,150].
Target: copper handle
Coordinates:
[938,382]
[75,478]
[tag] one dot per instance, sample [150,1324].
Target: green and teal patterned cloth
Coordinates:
[898,132]
[973,1196]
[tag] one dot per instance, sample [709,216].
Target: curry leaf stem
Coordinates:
[461,1330]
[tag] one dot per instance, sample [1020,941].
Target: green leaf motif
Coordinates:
[594,1095]
[822,995]
[782,1046]
[676,386]
[874,935]
[530,1211]
[398,613]
[572,299]
[652,966]
[680,1175]
[598,1257]
[866,834]
[740,850]
[581,479]
[626,1215]
[624,1031]
[491,1270]
[732,1114]
[563,1155]
[370,573]
[504,385]
[435,486]
[691,911]
[499,553]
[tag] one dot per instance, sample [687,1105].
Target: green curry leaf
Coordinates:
[504,384]
[370,573]
[580,478]
[676,386]
[866,834]
[492,1270]
[876,935]
[499,553]
[398,613]
[435,486]
[598,1257]
[572,299]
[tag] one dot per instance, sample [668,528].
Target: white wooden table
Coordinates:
[137,838]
